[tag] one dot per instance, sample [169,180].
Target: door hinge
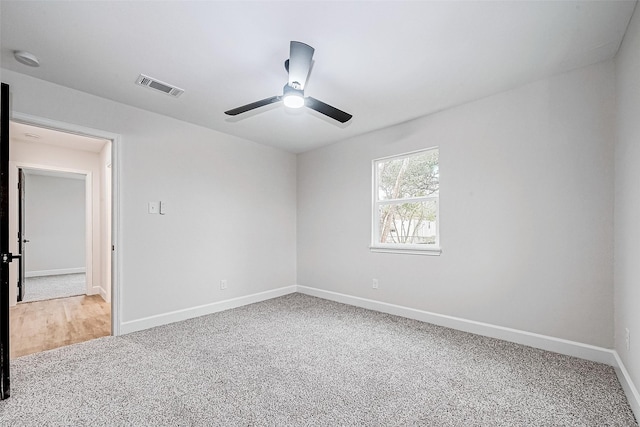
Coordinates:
[8,257]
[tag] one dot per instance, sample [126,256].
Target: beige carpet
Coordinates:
[49,287]
[304,361]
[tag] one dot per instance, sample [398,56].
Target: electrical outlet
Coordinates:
[223,284]
[375,283]
[627,338]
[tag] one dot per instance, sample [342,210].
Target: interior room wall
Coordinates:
[526,180]
[34,154]
[54,225]
[231,203]
[627,201]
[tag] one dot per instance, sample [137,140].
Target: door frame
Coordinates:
[14,168]
[116,229]
[5,344]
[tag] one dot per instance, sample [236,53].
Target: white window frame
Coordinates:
[401,248]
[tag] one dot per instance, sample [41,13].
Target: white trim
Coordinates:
[544,342]
[416,199]
[376,245]
[407,154]
[409,249]
[88,209]
[89,224]
[56,272]
[116,237]
[88,203]
[102,293]
[116,139]
[95,290]
[630,390]
[202,310]
[66,175]
[61,126]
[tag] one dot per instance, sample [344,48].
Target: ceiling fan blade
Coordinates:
[327,110]
[300,56]
[253,106]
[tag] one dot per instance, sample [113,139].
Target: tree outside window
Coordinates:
[406,193]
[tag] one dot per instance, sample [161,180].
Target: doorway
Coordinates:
[61,218]
[52,230]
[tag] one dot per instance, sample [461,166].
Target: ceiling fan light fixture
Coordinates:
[292,98]
[298,66]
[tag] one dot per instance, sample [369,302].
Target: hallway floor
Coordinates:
[45,325]
[50,287]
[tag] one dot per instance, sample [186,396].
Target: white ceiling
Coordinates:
[385,62]
[29,134]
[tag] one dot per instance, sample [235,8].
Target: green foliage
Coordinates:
[406,178]
[415,176]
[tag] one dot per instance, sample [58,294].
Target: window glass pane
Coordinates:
[412,223]
[411,176]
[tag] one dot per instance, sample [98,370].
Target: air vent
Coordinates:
[158,85]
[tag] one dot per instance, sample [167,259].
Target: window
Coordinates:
[405,203]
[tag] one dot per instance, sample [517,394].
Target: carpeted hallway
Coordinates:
[59,286]
[299,360]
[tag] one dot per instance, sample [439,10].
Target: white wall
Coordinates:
[627,200]
[54,224]
[45,156]
[231,202]
[526,207]
[526,211]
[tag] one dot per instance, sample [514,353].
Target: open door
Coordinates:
[5,256]
[22,241]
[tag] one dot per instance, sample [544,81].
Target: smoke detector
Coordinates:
[159,86]
[26,58]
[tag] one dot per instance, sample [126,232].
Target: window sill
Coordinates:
[410,250]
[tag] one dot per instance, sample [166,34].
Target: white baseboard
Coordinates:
[103,293]
[558,345]
[189,313]
[97,290]
[56,272]
[627,385]
[100,290]
[543,342]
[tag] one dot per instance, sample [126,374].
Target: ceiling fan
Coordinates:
[298,66]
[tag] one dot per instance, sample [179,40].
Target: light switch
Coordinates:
[163,207]
[153,207]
